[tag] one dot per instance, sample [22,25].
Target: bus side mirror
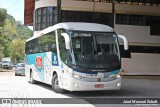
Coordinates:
[67,41]
[125,41]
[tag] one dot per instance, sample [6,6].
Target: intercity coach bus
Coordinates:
[76,57]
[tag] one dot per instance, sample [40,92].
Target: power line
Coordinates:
[12,4]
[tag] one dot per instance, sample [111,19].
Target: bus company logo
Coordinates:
[39,62]
[106,74]
[6,101]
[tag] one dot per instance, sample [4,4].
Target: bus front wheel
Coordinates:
[55,85]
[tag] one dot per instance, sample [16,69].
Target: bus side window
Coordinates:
[53,47]
[63,51]
[46,48]
[31,49]
[62,47]
[27,48]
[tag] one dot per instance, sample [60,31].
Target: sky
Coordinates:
[14,8]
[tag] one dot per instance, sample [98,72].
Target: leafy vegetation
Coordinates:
[13,35]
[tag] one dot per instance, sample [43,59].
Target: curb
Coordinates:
[4,70]
[156,77]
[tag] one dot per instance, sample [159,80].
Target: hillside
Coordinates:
[13,35]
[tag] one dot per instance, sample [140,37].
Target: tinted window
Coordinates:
[21,65]
[45,17]
[62,47]
[44,43]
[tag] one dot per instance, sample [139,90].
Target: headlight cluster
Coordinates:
[77,76]
[71,73]
[120,74]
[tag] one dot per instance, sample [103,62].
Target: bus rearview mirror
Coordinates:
[67,42]
[125,41]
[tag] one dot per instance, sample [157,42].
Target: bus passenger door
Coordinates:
[47,67]
[63,42]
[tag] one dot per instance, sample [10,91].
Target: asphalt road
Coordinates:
[17,87]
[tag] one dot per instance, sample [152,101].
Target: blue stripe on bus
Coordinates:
[54,59]
[110,73]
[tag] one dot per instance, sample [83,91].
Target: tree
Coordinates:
[13,35]
[16,50]
[3,15]
[23,31]
[9,32]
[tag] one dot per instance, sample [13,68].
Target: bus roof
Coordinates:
[77,26]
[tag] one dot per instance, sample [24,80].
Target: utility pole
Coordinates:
[113,13]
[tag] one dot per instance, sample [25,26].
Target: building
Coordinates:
[138,20]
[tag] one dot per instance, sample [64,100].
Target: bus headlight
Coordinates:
[76,85]
[119,84]
[118,76]
[77,76]
[72,74]
[122,72]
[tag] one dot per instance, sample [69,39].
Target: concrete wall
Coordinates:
[137,34]
[45,3]
[140,63]
[77,5]
[107,7]
[137,9]
[101,7]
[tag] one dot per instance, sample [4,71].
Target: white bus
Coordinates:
[75,57]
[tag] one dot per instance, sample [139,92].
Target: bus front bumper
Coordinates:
[78,85]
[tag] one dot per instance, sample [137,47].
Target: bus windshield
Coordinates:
[94,50]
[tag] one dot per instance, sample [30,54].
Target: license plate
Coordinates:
[99,85]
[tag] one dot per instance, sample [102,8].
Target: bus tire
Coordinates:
[32,81]
[55,85]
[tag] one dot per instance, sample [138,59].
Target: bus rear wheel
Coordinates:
[55,85]
[32,81]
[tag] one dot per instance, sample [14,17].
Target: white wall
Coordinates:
[140,63]
[45,3]
[137,9]
[107,7]
[137,34]
[77,5]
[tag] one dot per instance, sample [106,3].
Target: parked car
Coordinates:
[20,69]
[15,65]
[6,63]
